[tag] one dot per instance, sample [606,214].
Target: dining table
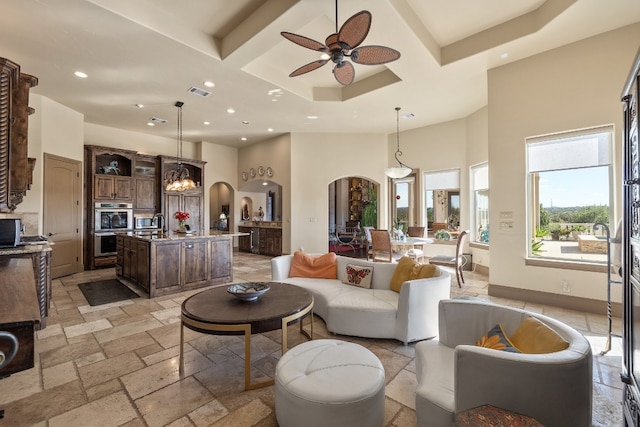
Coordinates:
[401,246]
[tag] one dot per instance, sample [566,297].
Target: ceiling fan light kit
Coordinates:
[337,47]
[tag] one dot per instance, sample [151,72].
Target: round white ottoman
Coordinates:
[329,383]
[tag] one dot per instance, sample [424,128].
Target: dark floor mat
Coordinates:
[106,291]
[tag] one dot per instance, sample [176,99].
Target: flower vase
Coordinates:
[182,226]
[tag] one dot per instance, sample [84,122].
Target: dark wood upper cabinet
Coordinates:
[16,169]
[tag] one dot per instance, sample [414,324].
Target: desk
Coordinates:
[402,246]
[217,312]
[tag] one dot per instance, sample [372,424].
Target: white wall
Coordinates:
[53,129]
[275,153]
[572,87]
[316,161]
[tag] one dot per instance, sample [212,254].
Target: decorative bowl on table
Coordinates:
[250,291]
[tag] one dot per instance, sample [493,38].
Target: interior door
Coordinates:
[62,213]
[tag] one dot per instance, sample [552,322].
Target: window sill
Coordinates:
[566,264]
[479,245]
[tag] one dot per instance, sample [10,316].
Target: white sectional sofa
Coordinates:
[378,312]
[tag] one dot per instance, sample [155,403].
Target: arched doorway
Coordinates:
[221,207]
[353,202]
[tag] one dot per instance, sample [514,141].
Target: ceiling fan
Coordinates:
[344,44]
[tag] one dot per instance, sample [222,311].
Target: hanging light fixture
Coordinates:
[401,170]
[178,179]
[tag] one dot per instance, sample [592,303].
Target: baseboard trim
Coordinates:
[557,300]
[481,269]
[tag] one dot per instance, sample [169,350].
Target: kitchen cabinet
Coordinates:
[267,239]
[191,201]
[134,261]
[146,188]
[112,188]
[166,264]
[16,168]
[244,242]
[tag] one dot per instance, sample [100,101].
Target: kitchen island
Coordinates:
[164,263]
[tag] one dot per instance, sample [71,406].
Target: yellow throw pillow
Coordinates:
[321,267]
[534,337]
[408,269]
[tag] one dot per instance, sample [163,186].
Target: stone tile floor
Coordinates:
[117,364]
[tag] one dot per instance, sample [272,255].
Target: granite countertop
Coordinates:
[26,249]
[179,236]
[261,224]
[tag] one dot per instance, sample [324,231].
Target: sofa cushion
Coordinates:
[358,275]
[534,337]
[321,267]
[408,269]
[497,340]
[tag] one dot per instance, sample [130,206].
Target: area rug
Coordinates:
[105,292]
[342,248]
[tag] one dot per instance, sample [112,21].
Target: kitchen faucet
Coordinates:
[162,223]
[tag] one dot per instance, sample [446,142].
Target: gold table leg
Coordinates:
[245,328]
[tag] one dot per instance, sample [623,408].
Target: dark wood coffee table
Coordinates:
[217,312]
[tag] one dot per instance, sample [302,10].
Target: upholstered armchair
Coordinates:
[454,374]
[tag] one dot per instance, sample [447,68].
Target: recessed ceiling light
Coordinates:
[81,74]
[270,130]
[150,124]
[245,122]
[265,183]
[207,123]
[504,55]
[274,100]
[209,84]
[244,138]
[277,91]
[231,110]
[312,117]
[139,105]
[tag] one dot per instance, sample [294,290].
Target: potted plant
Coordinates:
[554,230]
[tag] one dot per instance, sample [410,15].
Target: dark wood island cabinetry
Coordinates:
[165,264]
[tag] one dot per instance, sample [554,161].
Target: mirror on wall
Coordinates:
[261,200]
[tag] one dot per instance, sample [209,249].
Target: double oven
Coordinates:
[110,218]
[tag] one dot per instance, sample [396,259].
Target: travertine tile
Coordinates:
[172,402]
[58,375]
[87,328]
[136,358]
[116,405]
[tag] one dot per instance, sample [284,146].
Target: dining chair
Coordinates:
[381,246]
[457,261]
[417,252]
[367,236]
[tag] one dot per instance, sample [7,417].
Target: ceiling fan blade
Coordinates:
[304,41]
[354,31]
[309,67]
[344,73]
[374,55]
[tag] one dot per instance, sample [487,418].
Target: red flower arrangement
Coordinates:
[181,216]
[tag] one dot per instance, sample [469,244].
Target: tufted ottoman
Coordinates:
[329,383]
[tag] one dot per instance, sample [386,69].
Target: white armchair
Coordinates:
[455,375]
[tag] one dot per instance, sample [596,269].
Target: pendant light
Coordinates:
[178,179]
[401,170]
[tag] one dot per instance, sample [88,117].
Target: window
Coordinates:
[403,202]
[442,199]
[480,216]
[569,186]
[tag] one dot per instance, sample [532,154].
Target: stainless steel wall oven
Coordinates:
[113,217]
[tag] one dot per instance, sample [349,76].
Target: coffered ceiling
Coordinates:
[151,52]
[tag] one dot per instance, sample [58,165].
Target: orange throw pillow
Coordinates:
[321,267]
